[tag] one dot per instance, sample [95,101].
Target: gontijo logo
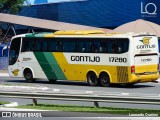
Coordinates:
[146,43]
[15,72]
[145,40]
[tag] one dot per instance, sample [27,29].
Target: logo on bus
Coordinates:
[146,45]
[145,40]
[15,72]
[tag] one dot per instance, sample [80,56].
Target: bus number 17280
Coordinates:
[117,59]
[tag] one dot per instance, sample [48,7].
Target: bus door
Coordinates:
[146,55]
[14,63]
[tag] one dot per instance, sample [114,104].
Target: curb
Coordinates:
[12,104]
[4,75]
[20,109]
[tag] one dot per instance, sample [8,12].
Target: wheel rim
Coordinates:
[104,80]
[92,78]
[28,76]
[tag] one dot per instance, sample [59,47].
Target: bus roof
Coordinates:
[79,33]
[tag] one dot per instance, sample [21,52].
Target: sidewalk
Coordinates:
[19,109]
[4,73]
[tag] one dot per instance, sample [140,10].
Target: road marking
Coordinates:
[44,88]
[56,90]
[125,94]
[90,92]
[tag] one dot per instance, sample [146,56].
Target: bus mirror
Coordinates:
[3,51]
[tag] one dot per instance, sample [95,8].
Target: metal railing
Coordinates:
[111,98]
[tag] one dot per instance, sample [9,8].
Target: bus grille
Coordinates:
[122,74]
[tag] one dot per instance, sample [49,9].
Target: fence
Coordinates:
[136,99]
[3,62]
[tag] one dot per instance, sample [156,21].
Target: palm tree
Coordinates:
[11,6]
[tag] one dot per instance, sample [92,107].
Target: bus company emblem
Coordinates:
[15,72]
[146,43]
[145,40]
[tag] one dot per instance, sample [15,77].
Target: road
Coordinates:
[64,86]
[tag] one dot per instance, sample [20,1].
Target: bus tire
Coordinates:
[28,76]
[105,80]
[129,85]
[92,79]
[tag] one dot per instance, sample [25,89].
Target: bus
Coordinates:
[85,55]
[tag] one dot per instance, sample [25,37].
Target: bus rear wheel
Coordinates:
[105,80]
[129,85]
[92,79]
[28,76]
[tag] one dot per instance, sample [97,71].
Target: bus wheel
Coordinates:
[129,85]
[105,80]
[28,76]
[92,79]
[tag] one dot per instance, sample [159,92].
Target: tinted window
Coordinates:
[14,50]
[85,45]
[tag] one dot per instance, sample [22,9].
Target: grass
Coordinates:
[3,102]
[109,110]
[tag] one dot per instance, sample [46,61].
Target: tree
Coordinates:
[11,6]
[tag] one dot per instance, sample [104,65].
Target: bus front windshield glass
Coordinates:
[14,51]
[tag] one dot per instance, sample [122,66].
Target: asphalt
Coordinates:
[65,86]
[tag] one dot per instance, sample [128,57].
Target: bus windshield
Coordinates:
[14,51]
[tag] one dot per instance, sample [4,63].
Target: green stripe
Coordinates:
[49,65]
[35,35]
[39,35]
[55,66]
[44,65]
[30,35]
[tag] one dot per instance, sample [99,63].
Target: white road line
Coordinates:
[124,93]
[90,92]
[56,90]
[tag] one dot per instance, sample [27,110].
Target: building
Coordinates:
[97,13]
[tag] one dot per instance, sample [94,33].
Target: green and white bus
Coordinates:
[87,55]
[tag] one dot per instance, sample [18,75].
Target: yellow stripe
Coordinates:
[79,71]
[49,35]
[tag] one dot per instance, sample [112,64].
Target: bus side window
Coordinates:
[59,46]
[94,47]
[25,45]
[52,44]
[33,45]
[103,47]
[44,47]
[39,46]
[84,48]
[76,47]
